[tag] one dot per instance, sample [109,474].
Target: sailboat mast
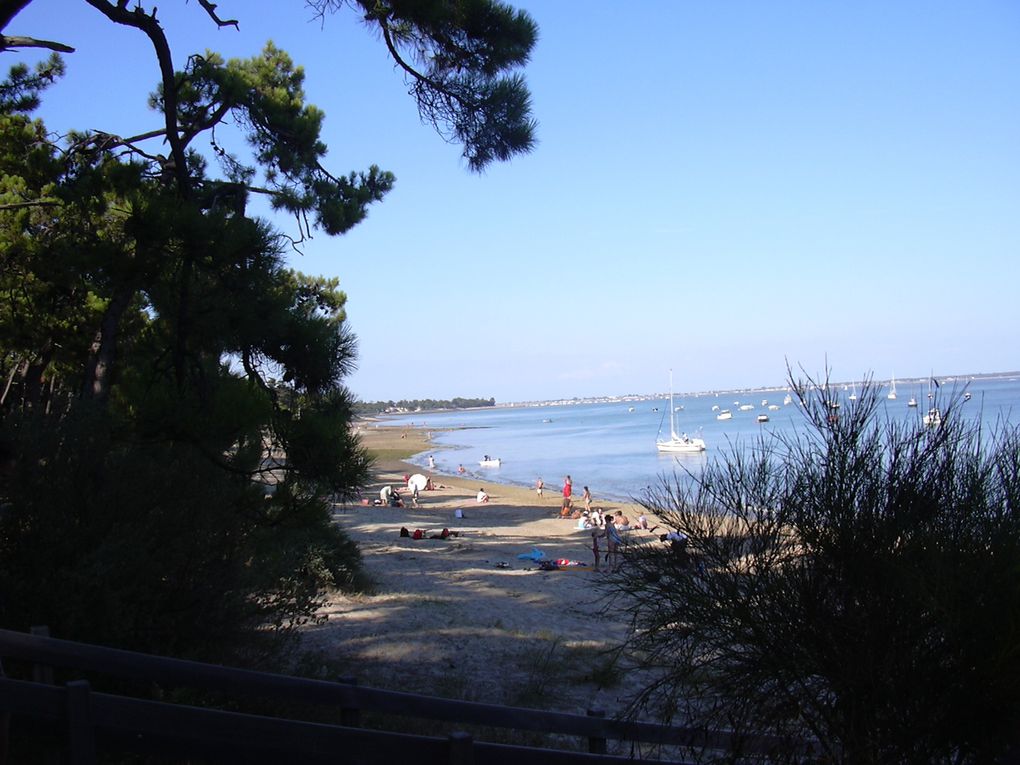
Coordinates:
[672,415]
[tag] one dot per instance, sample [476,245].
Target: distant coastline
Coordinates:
[637,397]
[906,381]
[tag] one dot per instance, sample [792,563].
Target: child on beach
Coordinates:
[596,535]
[539,485]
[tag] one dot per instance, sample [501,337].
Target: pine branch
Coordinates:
[10,42]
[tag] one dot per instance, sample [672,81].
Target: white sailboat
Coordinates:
[892,389]
[682,443]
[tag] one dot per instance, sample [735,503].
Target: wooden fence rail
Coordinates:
[350,698]
[102,722]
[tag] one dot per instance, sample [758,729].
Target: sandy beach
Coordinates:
[464,617]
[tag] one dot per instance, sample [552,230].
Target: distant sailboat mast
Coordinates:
[892,389]
[678,443]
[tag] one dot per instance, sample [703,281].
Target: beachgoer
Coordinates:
[677,542]
[460,469]
[587,498]
[642,523]
[613,543]
[565,508]
[539,485]
[596,535]
[384,494]
[568,487]
[432,462]
[621,521]
[414,496]
[584,521]
[481,497]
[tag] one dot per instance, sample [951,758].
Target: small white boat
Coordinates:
[682,443]
[773,407]
[490,462]
[912,403]
[933,419]
[763,418]
[747,407]
[725,414]
[891,395]
[966,396]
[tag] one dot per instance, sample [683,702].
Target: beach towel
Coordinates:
[535,554]
[561,564]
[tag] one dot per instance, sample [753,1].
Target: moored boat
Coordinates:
[678,443]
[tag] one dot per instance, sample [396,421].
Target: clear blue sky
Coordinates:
[718,187]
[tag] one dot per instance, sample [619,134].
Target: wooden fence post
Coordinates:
[41,673]
[462,748]
[81,740]
[596,744]
[5,727]
[350,716]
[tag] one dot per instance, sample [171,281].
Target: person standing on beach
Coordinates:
[613,543]
[568,487]
[432,462]
[539,485]
[587,499]
[596,534]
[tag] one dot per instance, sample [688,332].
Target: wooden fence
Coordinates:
[94,721]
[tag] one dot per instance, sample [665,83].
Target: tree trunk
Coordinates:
[103,350]
[10,382]
[32,388]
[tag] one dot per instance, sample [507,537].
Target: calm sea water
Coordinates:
[610,447]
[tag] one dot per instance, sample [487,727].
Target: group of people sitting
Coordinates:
[389,497]
[597,518]
[423,534]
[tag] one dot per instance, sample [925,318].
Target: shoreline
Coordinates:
[465,617]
